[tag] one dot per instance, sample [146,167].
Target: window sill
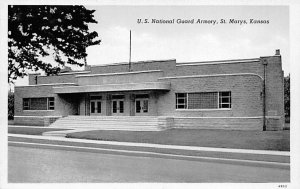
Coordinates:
[199,110]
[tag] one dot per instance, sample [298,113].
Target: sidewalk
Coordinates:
[240,156]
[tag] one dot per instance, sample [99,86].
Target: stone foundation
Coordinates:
[35,120]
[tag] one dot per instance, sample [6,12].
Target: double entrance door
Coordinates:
[95,107]
[141,106]
[117,107]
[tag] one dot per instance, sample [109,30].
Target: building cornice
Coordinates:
[48,84]
[67,73]
[119,73]
[214,75]
[137,62]
[219,62]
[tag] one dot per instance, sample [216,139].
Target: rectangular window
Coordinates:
[225,99]
[181,100]
[26,104]
[38,103]
[208,100]
[51,103]
[203,100]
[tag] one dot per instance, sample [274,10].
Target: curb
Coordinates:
[192,148]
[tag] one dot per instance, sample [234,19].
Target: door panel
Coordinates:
[141,106]
[118,107]
[95,107]
[92,107]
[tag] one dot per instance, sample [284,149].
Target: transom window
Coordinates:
[203,100]
[46,103]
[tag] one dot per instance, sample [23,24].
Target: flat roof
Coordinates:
[118,73]
[218,62]
[136,62]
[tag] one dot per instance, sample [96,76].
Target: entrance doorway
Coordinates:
[95,107]
[118,105]
[141,106]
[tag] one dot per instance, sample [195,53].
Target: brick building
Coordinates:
[244,94]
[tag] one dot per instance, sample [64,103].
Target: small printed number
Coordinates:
[282,186]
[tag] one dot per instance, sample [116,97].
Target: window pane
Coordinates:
[225,93]
[114,106]
[137,106]
[26,104]
[225,106]
[207,100]
[121,103]
[92,107]
[181,107]
[96,97]
[181,100]
[142,96]
[181,94]
[99,107]
[38,104]
[225,100]
[51,103]
[118,96]
[145,107]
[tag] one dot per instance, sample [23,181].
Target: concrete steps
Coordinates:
[130,123]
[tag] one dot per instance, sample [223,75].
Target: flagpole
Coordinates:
[130,52]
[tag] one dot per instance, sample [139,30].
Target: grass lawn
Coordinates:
[257,140]
[30,130]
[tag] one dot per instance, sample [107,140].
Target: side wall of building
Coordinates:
[274,93]
[246,107]
[63,106]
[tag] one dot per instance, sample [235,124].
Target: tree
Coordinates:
[36,33]
[10,105]
[287,96]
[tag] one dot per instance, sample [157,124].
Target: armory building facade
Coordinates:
[242,94]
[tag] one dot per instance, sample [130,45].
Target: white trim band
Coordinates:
[255,117]
[120,73]
[218,62]
[66,73]
[48,84]
[196,110]
[40,116]
[215,75]
[126,63]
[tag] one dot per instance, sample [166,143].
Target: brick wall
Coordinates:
[169,67]
[245,90]
[57,79]
[64,105]
[35,120]
[138,77]
[274,91]
[219,123]
[224,68]
[245,95]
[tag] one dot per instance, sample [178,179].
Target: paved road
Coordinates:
[27,164]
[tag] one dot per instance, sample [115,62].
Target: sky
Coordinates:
[188,42]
